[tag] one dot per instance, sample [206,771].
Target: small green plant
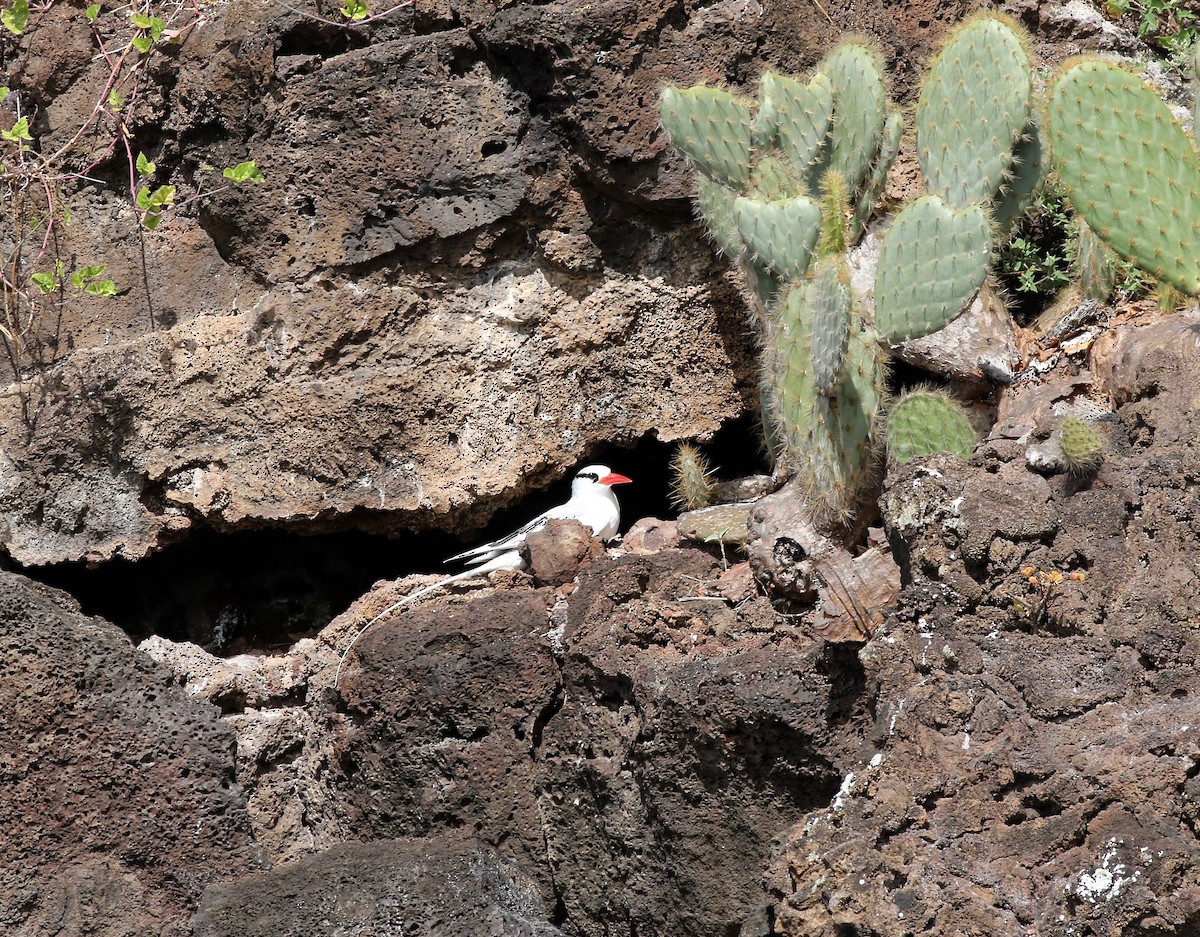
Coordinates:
[37,183]
[1037,258]
[925,421]
[691,479]
[1172,25]
[1082,446]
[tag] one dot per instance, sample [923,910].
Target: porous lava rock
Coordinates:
[1033,760]
[448,886]
[118,801]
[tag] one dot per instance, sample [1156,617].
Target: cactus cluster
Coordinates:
[787,185]
[1128,168]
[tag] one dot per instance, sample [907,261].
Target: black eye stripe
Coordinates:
[592,475]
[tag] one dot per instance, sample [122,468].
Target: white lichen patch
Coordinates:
[1108,879]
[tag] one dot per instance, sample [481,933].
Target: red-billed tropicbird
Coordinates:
[593,503]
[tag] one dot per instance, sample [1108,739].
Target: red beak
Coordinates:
[612,478]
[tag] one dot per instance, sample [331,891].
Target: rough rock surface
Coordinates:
[471,265]
[613,743]
[449,887]
[1032,765]
[119,803]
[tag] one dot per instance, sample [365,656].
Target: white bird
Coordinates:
[593,503]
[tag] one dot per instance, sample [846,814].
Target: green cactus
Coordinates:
[829,436]
[860,111]
[787,186]
[794,115]
[826,305]
[889,149]
[972,108]
[932,261]
[713,128]
[780,235]
[714,202]
[1082,447]
[1128,169]
[927,421]
[691,479]
[1096,264]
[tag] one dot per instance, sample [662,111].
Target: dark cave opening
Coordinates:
[259,591]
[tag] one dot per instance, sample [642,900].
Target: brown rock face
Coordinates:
[636,760]
[1032,765]
[469,265]
[449,887]
[119,800]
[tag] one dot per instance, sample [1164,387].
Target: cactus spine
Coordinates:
[787,185]
[1129,169]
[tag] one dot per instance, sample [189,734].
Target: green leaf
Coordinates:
[243,172]
[46,282]
[115,101]
[16,17]
[144,166]
[156,27]
[355,10]
[101,288]
[92,11]
[88,273]
[142,44]
[153,203]
[3,92]
[20,131]
[141,20]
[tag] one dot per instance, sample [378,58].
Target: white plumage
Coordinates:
[593,503]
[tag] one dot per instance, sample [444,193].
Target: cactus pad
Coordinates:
[973,105]
[780,235]
[922,422]
[714,130]
[1082,446]
[825,300]
[931,263]
[714,202]
[800,114]
[829,436]
[1129,169]
[859,108]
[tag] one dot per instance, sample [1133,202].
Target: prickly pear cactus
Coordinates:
[855,72]
[829,435]
[787,186]
[925,421]
[932,261]
[713,128]
[973,107]
[779,235]
[1129,169]
[1082,447]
